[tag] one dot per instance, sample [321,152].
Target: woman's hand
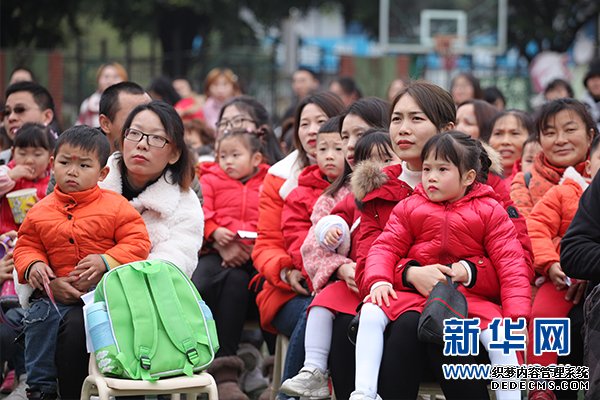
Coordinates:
[346,273]
[235,254]
[381,295]
[426,277]
[64,291]
[6,267]
[223,236]
[295,279]
[557,276]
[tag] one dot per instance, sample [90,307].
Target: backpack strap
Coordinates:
[173,318]
[145,324]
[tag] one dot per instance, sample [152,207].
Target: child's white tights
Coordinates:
[497,357]
[369,348]
[317,340]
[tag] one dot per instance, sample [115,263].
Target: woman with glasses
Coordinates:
[154,172]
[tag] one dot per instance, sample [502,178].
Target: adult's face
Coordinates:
[508,137]
[311,119]
[410,129]
[462,90]
[466,121]
[353,128]
[565,140]
[108,77]
[303,83]
[21,108]
[144,162]
[593,85]
[234,118]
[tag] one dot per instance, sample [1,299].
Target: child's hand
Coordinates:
[332,237]
[223,236]
[40,273]
[90,267]
[380,295]
[21,171]
[557,276]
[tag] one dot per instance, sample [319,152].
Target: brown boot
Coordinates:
[227,371]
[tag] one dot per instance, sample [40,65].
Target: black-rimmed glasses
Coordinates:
[153,140]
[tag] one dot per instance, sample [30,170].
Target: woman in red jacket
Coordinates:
[282,299]
[449,218]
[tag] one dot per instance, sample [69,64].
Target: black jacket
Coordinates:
[580,247]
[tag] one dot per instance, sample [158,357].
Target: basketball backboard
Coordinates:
[411,27]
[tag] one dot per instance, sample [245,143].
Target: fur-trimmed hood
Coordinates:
[370,175]
[495,158]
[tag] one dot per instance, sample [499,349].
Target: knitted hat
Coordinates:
[593,71]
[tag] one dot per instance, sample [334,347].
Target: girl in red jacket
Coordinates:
[230,188]
[29,168]
[449,218]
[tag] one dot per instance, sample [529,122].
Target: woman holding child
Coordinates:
[154,173]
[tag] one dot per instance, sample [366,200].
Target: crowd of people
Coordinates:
[350,206]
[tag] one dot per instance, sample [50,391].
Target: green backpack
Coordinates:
[148,321]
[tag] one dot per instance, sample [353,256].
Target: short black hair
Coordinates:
[86,138]
[109,101]
[332,125]
[559,83]
[41,95]
[311,71]
[35,135]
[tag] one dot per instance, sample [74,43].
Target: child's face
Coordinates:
[508,136]
[353,128]
[192,138]
[564,139]
[36,158]
[593,164]
[442,181]
[410,129]
[530,150]
[330,154]
[76,169]
[236,159]
[380,156]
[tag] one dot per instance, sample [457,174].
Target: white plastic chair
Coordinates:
[97,384]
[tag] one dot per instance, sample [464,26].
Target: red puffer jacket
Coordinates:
[298,207]
[230,203]
[476,225]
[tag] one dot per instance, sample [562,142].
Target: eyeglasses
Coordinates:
[153,140]
[17,110]
[235,122]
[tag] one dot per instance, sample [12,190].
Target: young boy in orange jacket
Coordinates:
[78,230]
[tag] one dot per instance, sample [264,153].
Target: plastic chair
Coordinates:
[97,384]
[281,346]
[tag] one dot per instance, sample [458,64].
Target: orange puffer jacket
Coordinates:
[551,216]
[63,228]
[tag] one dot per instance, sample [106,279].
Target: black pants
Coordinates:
[226,292]
[11,352]
[71,355]
[576,355]
[406,362]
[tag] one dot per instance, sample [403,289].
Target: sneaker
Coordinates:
[20,392]
[310,383]
[358,395]
[8,383]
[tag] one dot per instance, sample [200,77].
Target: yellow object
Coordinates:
[20,201]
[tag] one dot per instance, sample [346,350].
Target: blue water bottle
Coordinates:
[103,342]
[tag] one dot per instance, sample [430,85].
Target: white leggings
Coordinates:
[317,339]
[369,351]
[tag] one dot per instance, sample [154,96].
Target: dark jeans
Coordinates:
[11,352]
[226,292]
[405,364]
[291,321]
[71,355]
